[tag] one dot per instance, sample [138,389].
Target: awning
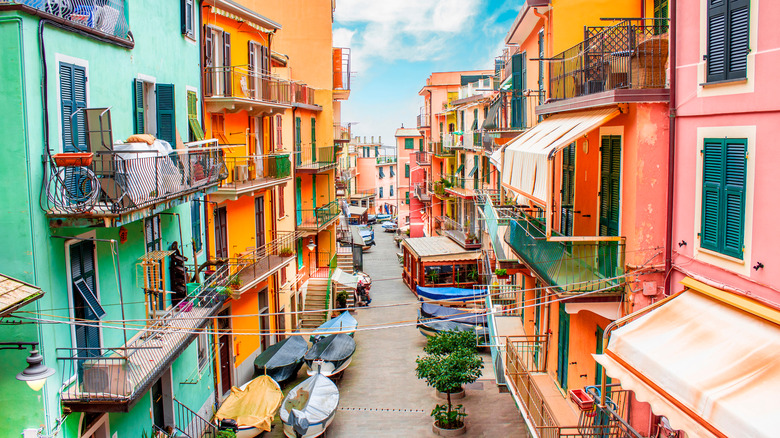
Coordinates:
[707,360]
[525,158]
[15,294]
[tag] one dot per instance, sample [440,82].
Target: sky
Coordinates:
[397,44]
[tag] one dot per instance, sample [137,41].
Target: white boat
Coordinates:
[309,408]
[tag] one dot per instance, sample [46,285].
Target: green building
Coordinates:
[131,344]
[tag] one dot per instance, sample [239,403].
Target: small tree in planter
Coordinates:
[448,373]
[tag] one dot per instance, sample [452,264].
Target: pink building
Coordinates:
[408,141]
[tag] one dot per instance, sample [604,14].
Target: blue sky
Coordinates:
[396,44]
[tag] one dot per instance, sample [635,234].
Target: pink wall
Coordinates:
[747,109]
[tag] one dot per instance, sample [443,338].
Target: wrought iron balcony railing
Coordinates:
[113,379]
[317,218]
[111,183]
[569,266]
[629,55]
[249,173]
[107,17]
[314,159]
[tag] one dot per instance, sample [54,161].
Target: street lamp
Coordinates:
[36,372]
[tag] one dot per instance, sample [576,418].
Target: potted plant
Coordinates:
[341,299]
[286,252]
[501,273]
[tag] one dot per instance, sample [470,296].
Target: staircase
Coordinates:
[344,262]
[316,291]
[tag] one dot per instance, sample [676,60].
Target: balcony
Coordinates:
[114,187]
[421,192]
[622,63]
[568,265]
[114,379]
[423,158]
[237,88]
[442,150]
[104,18]
[316,160]
[341,133]
[467,237]
[317,219]
[342,63]
[547,411]
[257,264]
[247,175]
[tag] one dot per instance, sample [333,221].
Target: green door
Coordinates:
[298,209]
[609,215]
[563,345]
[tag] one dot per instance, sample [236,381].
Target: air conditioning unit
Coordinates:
[240,173]
[106,377]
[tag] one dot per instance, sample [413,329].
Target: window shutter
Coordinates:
[138,107]
[735,175]
[166,113]
[226,64]
[738,38]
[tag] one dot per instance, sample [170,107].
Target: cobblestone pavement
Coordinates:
[380,394]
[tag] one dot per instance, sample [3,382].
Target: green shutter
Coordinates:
[728,38]
[409,143]
[406,170]
[139,126]
[724,179]
[73,96]
[166,113]
[610,186]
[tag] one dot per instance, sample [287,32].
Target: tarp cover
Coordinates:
[704,353]
[429,310]
[332,348]
[450,293]
[283,353]
[253,406]
[311,402]
[343,322]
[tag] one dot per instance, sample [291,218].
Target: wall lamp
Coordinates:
[36,372]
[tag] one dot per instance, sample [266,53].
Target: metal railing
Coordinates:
[423,158]
[258,263]
[318,159]
[122,374]
[570,266]
[256,170]
[239,81]
[319,217]
[117,182]
[190,423]
[630,54]
[105,16]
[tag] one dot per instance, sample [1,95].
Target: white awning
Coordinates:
[707,360]
[525,158]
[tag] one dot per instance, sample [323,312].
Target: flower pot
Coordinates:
[449,432]
[70,159]
[453,395]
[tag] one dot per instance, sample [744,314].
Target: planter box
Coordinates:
[81,159]
[582,399]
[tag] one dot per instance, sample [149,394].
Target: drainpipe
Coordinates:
[672,139]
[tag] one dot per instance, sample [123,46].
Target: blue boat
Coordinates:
[345,323]
[450,293]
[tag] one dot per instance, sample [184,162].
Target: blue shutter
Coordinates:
[166,113]
[73,96]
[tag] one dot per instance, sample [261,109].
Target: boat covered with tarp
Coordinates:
[310,407]
[330,355]
[252,407]
[342,323]
[282,360]
[433,311]
[450,293]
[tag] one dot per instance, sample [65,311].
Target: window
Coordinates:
[406,170]
[723,195]
[73,97]
[203,350]
[154,110]
[188,18]
[728,37]
[408,143]
[381,192]
[195,207]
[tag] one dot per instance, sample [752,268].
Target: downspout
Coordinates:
[672,138]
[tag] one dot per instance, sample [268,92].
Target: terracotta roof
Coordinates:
[15,293]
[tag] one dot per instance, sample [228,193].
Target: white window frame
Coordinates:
[60,58]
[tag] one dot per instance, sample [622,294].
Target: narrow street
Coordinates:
[380,394]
